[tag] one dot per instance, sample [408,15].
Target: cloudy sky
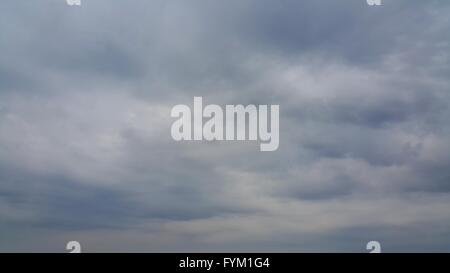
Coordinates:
[86,152]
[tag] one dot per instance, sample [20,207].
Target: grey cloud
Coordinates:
[85,146]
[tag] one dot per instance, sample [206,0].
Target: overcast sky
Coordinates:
[86,152]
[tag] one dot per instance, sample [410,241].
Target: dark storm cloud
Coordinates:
[85,146]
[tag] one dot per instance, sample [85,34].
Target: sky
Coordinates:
[86,152]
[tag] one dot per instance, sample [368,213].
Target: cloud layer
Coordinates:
[85,146]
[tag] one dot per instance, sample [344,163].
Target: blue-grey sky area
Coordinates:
[86,152]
